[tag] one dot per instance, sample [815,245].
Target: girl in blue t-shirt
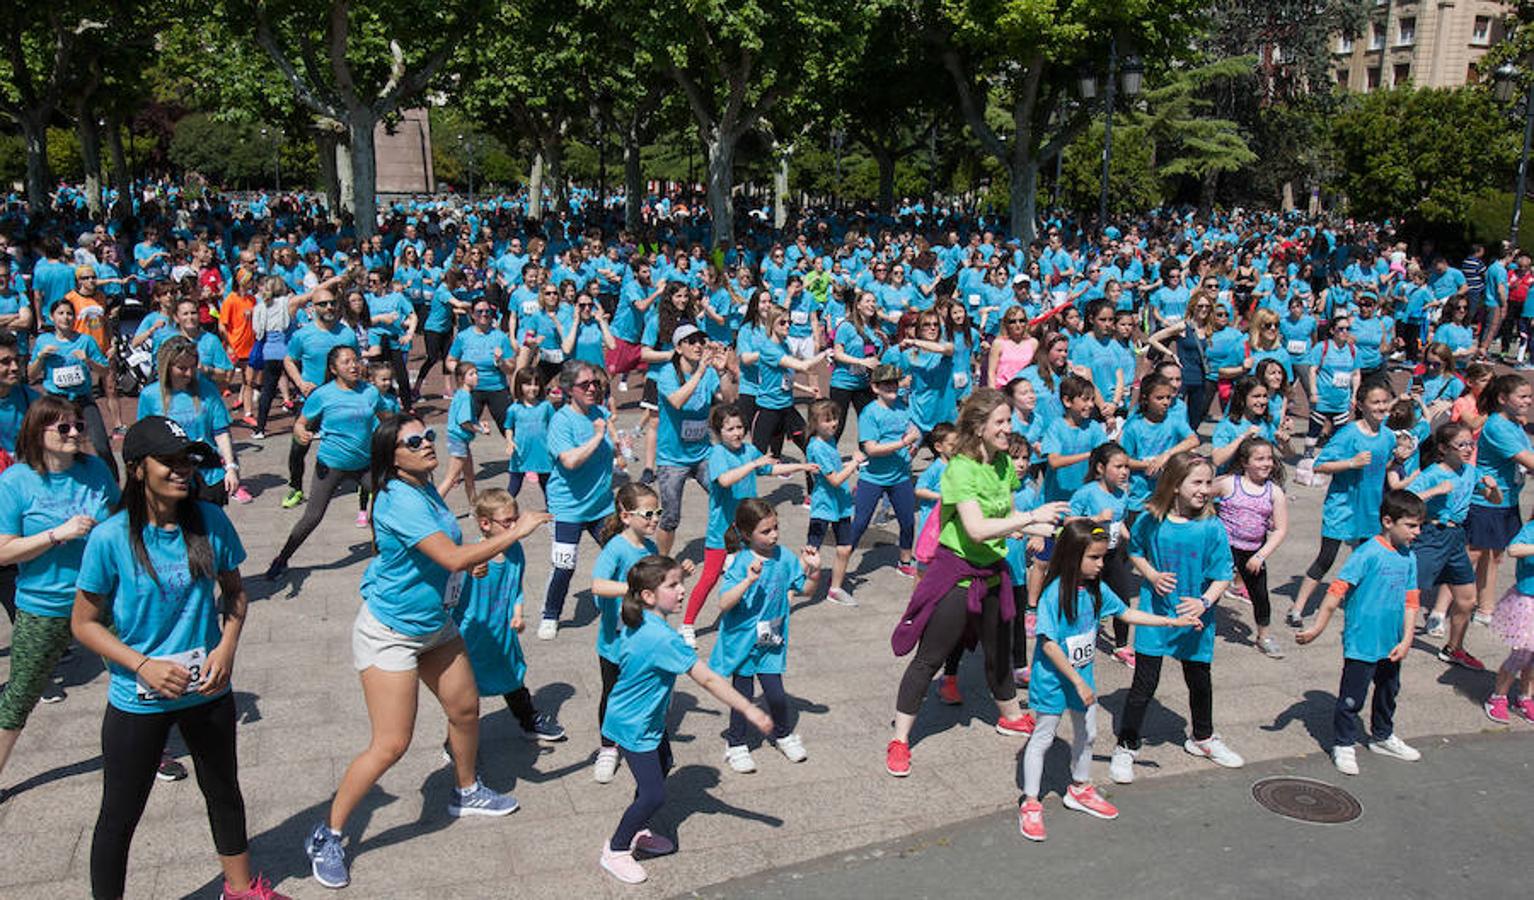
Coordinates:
[830,499]
[1250,415]
[1504,454]
[753,624]
[650,656]
[888,436]
[1104,499]
[1062,676]
[193,402]
[462,427]
[527,431]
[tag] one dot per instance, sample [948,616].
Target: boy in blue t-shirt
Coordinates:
[1378,588]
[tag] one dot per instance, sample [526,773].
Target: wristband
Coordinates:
[140,665]
[1208,604]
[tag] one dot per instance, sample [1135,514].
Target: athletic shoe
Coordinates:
[1085,798]
[169,769]
[1525,708]
[1126,656]
[948,690]
[1293,618]
[1481,618]
[248,421]
[1022,726]
[326,858]
[480,801]
[547,629]
[689,635]
[362,519]
[897,758]
[53,693]
[1238,592]
[1462,658]
[840,597]
[792,747]
[546,729]
[647,476]
[294,497]
[1269,647]
[1394,747]
[276,570]
[622,866]
[1345,759]
[1435,627]
[805,503]
[607,765]
[241,495]
[906,569]
[1030,820]
[1121,768]
[739,759]
[258,435]
[1496,709]
[260,889]
[1021,676]
[651,844]
[1214,750]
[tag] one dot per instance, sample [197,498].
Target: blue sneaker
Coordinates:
[546,729]
[481,801]
[326,856]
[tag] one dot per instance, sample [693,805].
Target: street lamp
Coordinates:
[467,142]
[1132,72]
[838,140]
[1506,88]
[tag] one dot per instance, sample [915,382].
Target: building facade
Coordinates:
[1425,43]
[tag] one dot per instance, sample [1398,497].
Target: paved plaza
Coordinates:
[302,719]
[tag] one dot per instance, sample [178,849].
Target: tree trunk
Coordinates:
[535,189]
[325,144]
[34,133]
[122,179]
[346,179]
[1023,185]
[780,191]
[633,176]
[886,163]
[90,158]
[364,173]
[553,169]
[721,182]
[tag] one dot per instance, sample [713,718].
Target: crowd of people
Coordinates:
[1079,442]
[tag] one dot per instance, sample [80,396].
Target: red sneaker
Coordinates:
[948,690]
[1030,819]
[1022,726]
[1085,798]
[1461,657]
[897,759]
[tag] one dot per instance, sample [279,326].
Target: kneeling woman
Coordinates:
[404,635]
[150,571]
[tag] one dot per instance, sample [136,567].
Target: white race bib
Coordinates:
[529,307]
[769,633]
[454,589]
[960,380]
[1081,648]
[551,356]
[1297,348]
[1342,379]
[694,430]
[788,383]
[799,317]
[194,661]
[68,376]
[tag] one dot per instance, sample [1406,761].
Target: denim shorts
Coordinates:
[457,448]
[841,530]
[1441,558]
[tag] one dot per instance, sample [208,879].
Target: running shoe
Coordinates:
[622,866]
[169,769]
[546,729]
[1396,748]
[1030,819]
[840,597]
[1085,798]
[260,889]
[53,693]
[481,801]
[294,497]
[1434,626]
[248,421]
[1121,768]
[1270,648]
[326,857]
[1496,709]
[948,690]
[1293,618]
[906,569]
[1126,656]
[363,520]
[259,435]
[1345,759]
[897,759]
[1525,708]
[1459,656]
[548,629]
[647,476]
[1214,750]
[792,747]
[607,765]
[1022,726]
[652,844]
[739,759]
[242,496]
[1481,618]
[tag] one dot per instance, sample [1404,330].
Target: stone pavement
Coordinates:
[303,719]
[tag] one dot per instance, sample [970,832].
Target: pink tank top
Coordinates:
[1015,357]
[1246,516]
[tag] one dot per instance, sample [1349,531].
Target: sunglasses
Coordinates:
[414,442]
[484,312]
[65,429]
[646,514]
[588,384]
[180,462]
[324,304]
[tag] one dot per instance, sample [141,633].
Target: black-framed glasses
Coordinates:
[324,304]
[414,441]
[65,429]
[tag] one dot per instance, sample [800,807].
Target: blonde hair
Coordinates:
[490,501]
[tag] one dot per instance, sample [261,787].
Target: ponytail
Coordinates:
[645,575]
[625,499]
[748,515]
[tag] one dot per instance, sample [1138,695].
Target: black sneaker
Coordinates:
[647,476]
[545,729]
[170,769]
[275,571]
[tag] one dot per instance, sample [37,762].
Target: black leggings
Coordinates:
[1256,586]
[498,401]
[1323,563]
[777,705]
[131,745]
[1143,688]
[1196,395]
[945,631]
[609,678]
[395,357]
[1019,628]
[326,482]
[773,425]
[856,398]
[297,453]
[272,374]
[96,430]
[1120,576]
[437,343]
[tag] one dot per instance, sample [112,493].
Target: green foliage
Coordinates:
[1423,154]
[1133,182]
[1490,215]
[237,154]
[1189,141]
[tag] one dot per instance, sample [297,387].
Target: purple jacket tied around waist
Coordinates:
[945,572]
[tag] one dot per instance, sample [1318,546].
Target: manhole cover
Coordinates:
[1307,800]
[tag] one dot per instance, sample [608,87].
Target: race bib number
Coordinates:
[1297,348]
[960,380]
[1113,534]
[788,382]
[529,307]
[1342,379]
[799,317]
[194,661]
[769,633]
[454,589]
[562,555]
[1081,648]
[68,376]
[551,356]
[694,430]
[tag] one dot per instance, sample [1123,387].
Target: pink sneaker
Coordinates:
[1526,708]
[906,569]
[241,495]
[1085,798]
[650,843]
[1125,656]
[362,518]
[260,889]
[1030,819]
[1496,709]
[948,691]
[623,866]
[1022,726]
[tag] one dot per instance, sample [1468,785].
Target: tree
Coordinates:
[357,64]
[1292,39]
[1188,141]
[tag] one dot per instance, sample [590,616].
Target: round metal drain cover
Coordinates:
[1307,800]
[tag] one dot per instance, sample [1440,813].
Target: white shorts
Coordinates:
[375,644]
[801,347]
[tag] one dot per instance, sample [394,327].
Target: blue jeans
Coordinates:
[902,494]
[649,768]
[564,553]
[1357,675]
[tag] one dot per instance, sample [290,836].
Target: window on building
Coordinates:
[1376,35]
[1481,33]
[1401,75]
[1342,78]
[1372,79]
[1406,31]
[1472,74]
[1344,44]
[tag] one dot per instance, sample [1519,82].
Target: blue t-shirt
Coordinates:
[529,427]
[311,345]
[203,417]
[1142,439]
[854,378]
[774,381]
[1107,362]
[1230,431]
[882,424]
[613,564]
[745,342]
[585,493]
[1501,440]
[1382,578]
[211,353]
[460,411]
[1453,506]
[32,503]
[1198,553]
[483,614]
[931,479]
[403,587]
[828,502]
[1050,692]
[1067,439]
[64,373]
[478,347]
[1297,334]
[1334,367]
[1092,498]
[742,647]
[1351,511]
[346,420]
[439,318]
[13,408]
[1524,566]
[650,657]
[723,500]
[682,436]
[933,398]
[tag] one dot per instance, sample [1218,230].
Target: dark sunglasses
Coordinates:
[414,442]
[324,304]
[65,429]
[588,384]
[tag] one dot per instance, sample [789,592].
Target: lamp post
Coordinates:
[276,144]
[1133,71]
[1507,76]
[838,140]
[467,143]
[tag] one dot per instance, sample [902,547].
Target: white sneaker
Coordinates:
[607,765]
[840,597]
[1435,626]
[689,635]
[1393,746]
[1345,759]
[739,758]
[1215,751]
[547,629]
[1122,767]
[792,747]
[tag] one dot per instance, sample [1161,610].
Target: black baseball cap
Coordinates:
[161,437]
